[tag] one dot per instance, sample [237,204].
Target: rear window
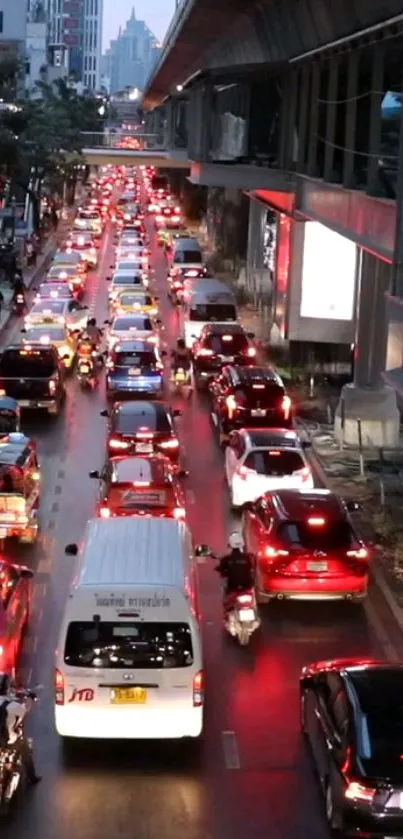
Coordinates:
[125,644]
[131,300]
[334,535]
[226,344]
[188,257]
[127,279]
[260,395]
[57,272]
[134,359]
[130,423]
[42,333]
[213,312]
[274,462]
[54,307]
[129,265]
[132,323]
[89,214]
[27,364]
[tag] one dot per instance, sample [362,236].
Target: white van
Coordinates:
[187,253]
[129,659]
[206,301]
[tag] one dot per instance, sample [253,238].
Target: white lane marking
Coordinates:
[190,496]
[377,625]
[44,565]
[230,748]
[29,677]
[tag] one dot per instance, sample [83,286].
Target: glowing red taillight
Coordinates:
[358,792]
[205,352]
[179,513]
[231,405]
[251,352]
[286,407]
[114,443]
[198,689]
[358,553]
[272,553]
[59,687]
[170,444]
[105,513]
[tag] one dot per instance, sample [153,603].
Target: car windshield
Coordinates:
[92,215]
[127,279]
[125,644]
[50,307]
[332,535]
[274,462]
[27,364]
[129,265]
[227,344]
[211,312]
[134,359]
[67,258]
[43,333]
[125,324]
[48,290]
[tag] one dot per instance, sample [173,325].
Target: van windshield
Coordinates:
[219,312]
[124,644]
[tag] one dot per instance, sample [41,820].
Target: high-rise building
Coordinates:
[131,55]
[78,25]
[93,14]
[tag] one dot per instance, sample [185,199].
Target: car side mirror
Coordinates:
[203,550]
[249,506]
[27,574]
[103,413]
[251,335]
[93,474]
[108,279]
[156,298]
[164,353]
[107,322]
[183,473]
[353,506]
[71,550]
[176,413]
[306,444]
[23,330]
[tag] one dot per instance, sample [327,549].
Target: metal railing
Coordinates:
[123,140]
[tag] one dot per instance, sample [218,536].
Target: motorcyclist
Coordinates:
[18,287]
[236,569]
[94,332]
[16,707]
[181,356]
[89,340]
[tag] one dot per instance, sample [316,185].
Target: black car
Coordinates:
[33,375]
[352,717]
[220,344]
[143,428]
[249,397]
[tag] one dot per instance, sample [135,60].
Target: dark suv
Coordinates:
[245,397]
[221,344]
[34,376]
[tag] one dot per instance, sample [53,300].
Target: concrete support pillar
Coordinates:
[367,398]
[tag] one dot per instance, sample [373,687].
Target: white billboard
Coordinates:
[328,274]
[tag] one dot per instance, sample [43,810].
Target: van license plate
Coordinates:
[258,412]
[24,403]
[317,566]
[246,615]
[128,696]
[134,371]
[144,448]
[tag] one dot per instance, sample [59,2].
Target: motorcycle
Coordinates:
[241,619]
[86,374]
[175,293]
[19,305]
[11,763]
[182,381]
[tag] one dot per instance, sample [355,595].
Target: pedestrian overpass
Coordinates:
[131,149]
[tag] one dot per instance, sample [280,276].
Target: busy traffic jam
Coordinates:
[182,595]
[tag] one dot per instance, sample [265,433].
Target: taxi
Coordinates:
[125,281]
[134,302]
[55,334]
[71,259]
[67,312]
[20,486]
[84,244]
[65,274]
[131,326]
[139,486]
[15,602]
[51,291]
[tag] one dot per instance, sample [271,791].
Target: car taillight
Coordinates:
[118,444]
[251,352]
[198,689]
[105,513]
[272,553]
[244,599]
[358,553]
[170,444]
[305,474]
[179,513]
[231,405]
[59,688]
[359,792]
[286,406]
[52,387]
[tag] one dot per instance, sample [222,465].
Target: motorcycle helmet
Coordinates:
[181,344]
[5,684]
[91,322]
[235,541]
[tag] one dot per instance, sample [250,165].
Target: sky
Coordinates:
[156,13]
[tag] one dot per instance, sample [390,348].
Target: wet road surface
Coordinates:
[250,775]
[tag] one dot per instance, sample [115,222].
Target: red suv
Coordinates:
[305,547]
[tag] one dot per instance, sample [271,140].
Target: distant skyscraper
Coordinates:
[78,25]
[131,55]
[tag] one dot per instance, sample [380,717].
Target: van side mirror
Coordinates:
[23,330]
[71,550]
[27,574]
[203,550]
[251,335]
[93,474]
[103,413]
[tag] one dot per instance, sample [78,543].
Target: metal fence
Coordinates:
[124,140]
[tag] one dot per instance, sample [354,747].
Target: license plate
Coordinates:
[24,403]
[144,448]
[84,368]
[258,412]
[246,615]
[48,320]
[3,532]
[317,566]
[134,371]
[128,696]
[228,358]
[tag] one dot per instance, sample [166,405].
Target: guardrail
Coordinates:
[125,140]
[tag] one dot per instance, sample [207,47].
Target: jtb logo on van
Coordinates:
[83,695]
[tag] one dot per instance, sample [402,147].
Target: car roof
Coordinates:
[271,437]
[135,346]
[135,408]
[188,242]
[128,469]
[296,504]
[134,316]
[223,328]
[34,345]
[14,449]
[244,376]
[48,301]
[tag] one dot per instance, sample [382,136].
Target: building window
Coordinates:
[1,22]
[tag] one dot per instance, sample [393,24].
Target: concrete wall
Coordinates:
[14,20]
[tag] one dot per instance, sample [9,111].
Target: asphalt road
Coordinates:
[250,776]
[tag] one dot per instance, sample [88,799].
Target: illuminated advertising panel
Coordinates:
[328,274]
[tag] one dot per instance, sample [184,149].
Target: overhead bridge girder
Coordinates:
[130,157]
